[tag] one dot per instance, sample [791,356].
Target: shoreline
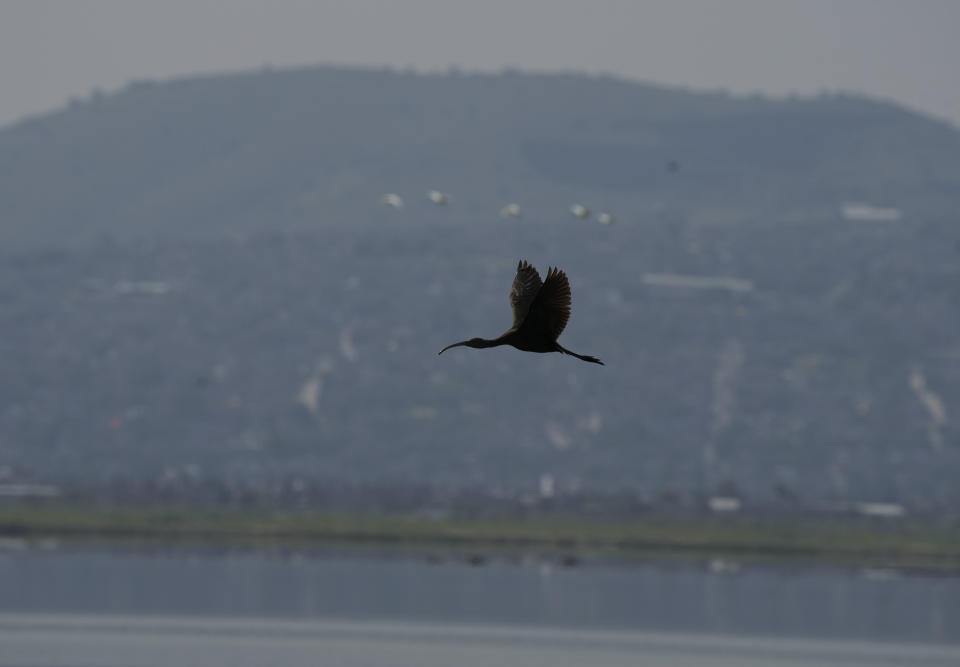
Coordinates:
[909,544]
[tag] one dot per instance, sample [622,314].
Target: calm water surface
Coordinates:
[102,607]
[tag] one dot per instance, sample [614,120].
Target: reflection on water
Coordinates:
[163,641]
[776,601]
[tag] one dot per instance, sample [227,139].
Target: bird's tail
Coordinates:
[592,360]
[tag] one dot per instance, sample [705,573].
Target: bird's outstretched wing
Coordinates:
[526,285]
[550,309]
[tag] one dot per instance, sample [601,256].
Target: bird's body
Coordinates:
[541,309]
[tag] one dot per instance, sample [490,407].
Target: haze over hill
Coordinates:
[199,280]
[310,147]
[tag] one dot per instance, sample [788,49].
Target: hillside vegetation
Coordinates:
[200,283]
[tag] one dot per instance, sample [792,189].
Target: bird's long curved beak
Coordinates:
[463,342]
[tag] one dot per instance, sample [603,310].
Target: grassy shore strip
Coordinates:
[904,543]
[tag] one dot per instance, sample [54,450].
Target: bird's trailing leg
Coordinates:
[592,360]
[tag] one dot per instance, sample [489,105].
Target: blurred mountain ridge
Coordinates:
[295,148]
[199,277]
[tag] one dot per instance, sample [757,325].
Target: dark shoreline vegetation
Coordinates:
[914,544]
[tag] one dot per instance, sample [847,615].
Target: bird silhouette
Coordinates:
[540,312]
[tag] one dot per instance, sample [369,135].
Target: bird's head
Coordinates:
[473,342]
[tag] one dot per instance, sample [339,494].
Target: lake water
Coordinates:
[97,607]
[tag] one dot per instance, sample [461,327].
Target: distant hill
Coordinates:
[199,281]
[286,149]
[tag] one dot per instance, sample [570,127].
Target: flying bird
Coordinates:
[511,211]
[392,200]
[438,198]
[540,312]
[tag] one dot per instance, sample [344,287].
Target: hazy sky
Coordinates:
[900,49]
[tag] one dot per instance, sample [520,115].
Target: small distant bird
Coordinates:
[580,211]
[438,198]
[540,313]
[392,200]
[511,211]
[605,219]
